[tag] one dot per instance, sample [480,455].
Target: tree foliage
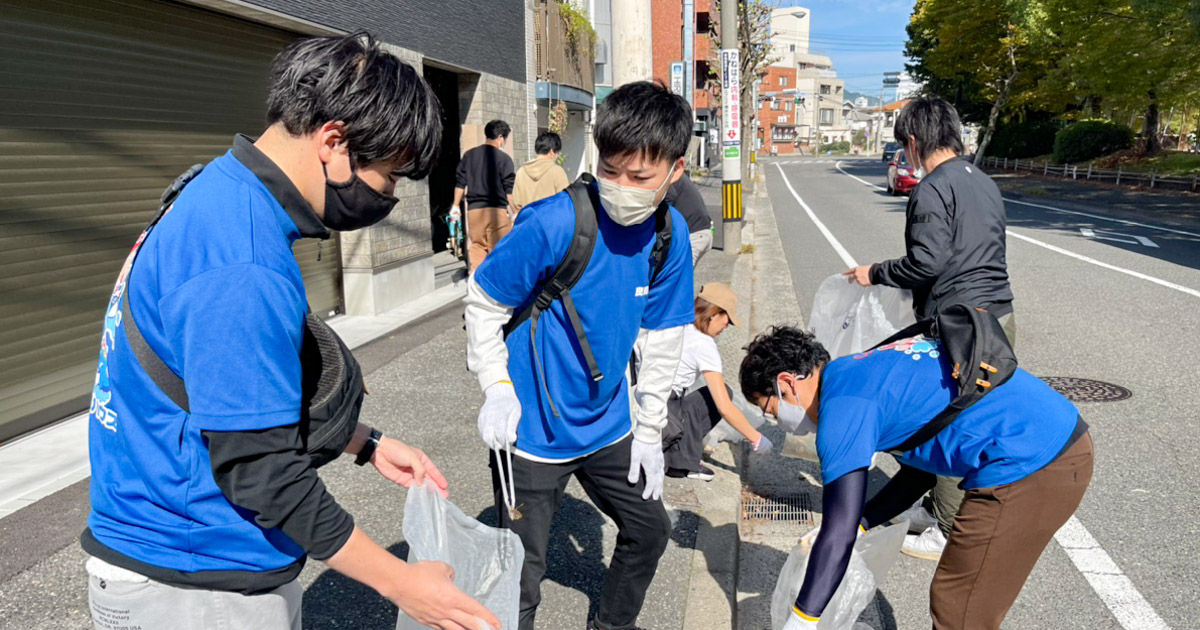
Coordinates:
[1009,60]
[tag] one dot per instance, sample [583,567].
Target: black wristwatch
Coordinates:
[368,449]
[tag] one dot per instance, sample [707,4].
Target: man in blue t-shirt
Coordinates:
[205,503]
[1023,453]
[542,401]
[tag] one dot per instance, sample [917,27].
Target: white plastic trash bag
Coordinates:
[486,560]
[870,561]
[848,318]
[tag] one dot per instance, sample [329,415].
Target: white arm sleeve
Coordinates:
[487,356]
[660,359]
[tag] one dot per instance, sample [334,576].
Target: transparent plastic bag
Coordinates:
[486,560]
[873,555]
[848,318]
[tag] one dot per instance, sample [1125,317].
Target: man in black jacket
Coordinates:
[955,254]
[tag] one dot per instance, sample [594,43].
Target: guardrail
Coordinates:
[1089,173]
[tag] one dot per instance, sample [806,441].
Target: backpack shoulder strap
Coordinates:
[586,203]
[662,239]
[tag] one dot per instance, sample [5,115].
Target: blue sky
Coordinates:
[865,38]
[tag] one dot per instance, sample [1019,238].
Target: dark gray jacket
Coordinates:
[955,243]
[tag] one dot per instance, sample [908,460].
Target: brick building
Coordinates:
[668,46]
[777,111]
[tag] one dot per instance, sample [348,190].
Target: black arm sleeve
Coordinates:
[898,495]
[267,472]
[928,238]
[508,174]
[842,506]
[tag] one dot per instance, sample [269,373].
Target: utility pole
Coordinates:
[689,63]
[632,52]
[731,133]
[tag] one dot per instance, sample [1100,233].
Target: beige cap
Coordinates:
[720,294]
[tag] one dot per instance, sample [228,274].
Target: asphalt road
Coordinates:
[1117,300]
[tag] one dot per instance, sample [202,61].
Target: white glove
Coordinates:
[764,445]
[796,622]
[499,415]
[648,456]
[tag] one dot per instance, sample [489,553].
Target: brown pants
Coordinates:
[998,536]
[485,226]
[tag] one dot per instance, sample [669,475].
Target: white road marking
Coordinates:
[837,246]
[1107,579]
[1135,274]
[1105,235]
[855,177]
[1097,216]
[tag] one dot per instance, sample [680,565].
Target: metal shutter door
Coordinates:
[103,103]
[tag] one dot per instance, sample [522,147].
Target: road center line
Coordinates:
[1103,574]
[1135,274]
[837,246]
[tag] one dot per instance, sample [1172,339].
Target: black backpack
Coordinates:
[332,381]
[983,360]
[586,201]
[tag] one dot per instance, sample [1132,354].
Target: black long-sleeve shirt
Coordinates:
[954,242]
[488,175]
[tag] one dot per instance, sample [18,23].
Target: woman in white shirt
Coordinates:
[699,396]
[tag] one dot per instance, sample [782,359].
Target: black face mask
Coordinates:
[354,205]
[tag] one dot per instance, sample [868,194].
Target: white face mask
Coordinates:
[629,205]
[801,442]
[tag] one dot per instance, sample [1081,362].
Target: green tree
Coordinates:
[987,51]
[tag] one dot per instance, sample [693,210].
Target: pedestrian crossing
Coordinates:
[787,162]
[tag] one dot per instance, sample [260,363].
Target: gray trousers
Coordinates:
[701,242]
[689,418]
[946,495]
[143,604]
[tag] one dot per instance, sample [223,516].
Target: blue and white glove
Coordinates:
[764,446]
[499,415]
[797,621]
[648,456]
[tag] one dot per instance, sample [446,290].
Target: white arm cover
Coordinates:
[487,356]
[660,360]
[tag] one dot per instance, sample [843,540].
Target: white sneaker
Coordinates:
[919,519]
[927,546]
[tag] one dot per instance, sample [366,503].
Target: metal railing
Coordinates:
[1089,173]
[558,59]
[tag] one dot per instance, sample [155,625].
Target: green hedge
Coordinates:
[1024,139]
[1089,139]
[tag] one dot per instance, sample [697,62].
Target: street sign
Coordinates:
[677,77]
[731,129]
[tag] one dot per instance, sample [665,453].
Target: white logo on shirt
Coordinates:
[641,292]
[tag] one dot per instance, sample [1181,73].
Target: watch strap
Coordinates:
[369,447]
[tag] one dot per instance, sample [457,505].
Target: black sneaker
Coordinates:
[592,625]
[704,474]
[678,473]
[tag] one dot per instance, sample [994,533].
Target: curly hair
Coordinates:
[779,349]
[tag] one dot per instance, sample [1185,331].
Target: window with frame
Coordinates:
[783,81]
[825,89]
[826,116]
[787,106]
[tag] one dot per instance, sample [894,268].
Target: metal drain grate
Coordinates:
[1087,390]
[792,508]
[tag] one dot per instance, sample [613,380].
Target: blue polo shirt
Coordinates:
[217,295]
[874,401]
[614,298]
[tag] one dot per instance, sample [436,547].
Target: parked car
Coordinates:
[901,177]
[889,150]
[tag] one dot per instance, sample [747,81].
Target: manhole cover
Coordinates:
[791,508]
[1087,390]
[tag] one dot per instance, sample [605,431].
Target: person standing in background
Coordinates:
[540,177]
[685,197]
[955,254]
[486,175]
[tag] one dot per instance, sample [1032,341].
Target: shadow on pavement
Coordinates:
[328,599]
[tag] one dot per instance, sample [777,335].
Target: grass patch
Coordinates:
[1170,163]
[748,248]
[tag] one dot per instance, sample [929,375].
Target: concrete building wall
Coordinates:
[789,33]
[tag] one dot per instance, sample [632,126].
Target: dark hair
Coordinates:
[934,124]
[705,312]
[780,349]
[546,142]
[388,109]
[646,118]
[496,129]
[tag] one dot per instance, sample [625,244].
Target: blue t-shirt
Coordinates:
[874,401]
[217,273]
[614,298]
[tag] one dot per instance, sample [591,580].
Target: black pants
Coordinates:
[643,528]
[689,419]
